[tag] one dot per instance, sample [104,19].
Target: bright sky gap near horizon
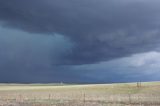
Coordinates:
[79,41]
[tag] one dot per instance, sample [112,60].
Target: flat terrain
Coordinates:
[124,94]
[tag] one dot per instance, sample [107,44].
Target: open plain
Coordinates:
[123,94]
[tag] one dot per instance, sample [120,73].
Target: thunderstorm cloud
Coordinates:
[74,40]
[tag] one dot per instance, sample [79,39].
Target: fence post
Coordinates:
[139,84]
[84,99]
[49,96]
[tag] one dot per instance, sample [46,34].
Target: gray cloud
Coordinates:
[101,30]
[28,57]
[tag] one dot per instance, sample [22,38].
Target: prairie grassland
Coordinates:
[124,94]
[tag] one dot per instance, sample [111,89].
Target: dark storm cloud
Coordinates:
[99,29]
[26,57]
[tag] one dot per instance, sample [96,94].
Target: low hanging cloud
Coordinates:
[138,67]
[27,58]
[100,30]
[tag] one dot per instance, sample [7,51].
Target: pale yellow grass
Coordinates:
[123,94]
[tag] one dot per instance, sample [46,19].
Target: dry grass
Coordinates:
[148,94]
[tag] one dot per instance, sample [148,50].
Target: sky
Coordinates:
[79,41]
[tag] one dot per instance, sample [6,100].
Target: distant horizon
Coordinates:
[72,83]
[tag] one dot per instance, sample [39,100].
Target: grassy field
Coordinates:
[124,94]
